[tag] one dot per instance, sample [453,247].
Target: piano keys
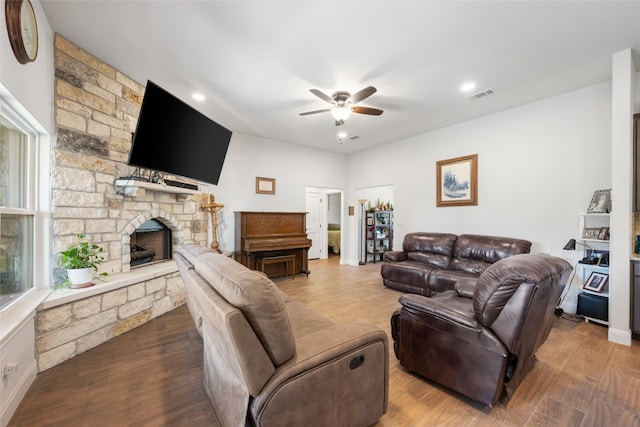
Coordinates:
[272,234]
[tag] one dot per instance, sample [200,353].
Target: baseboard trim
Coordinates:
[12,402]
[619,336]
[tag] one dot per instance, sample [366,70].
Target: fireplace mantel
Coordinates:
[130,187]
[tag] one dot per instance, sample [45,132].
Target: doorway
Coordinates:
[324,207]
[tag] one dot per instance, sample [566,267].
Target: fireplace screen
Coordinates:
[151,242]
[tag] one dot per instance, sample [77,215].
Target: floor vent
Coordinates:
[482,94]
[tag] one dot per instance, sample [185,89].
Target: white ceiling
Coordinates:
[256,61]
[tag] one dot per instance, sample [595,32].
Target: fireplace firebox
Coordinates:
[150,242]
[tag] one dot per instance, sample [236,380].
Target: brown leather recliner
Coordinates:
[482,340]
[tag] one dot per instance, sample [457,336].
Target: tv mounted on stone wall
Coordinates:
[174,138]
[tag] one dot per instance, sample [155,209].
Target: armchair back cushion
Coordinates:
[516,298]
[261,302]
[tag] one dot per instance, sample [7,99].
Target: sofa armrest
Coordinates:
[465,288]
[433,307]
[336,360]
[395,256]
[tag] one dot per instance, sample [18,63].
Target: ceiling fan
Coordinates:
[344,104]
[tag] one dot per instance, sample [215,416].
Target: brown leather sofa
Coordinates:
[271,361]
[481,340]
[436,262]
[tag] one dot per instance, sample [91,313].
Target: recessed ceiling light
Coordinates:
[467,87]
[342,135]
[197,96]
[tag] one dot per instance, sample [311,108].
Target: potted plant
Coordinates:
[81,261]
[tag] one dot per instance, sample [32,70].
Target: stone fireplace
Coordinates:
[96,110]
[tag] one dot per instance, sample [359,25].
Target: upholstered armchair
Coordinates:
[482,340]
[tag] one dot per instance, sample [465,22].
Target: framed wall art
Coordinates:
[457,181]
[265,185]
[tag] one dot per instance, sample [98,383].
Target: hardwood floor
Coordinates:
[152,375]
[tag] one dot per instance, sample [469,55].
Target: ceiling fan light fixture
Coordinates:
[341,113]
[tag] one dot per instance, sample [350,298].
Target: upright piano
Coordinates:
[272,234]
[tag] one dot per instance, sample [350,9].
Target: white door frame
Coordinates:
[324,220]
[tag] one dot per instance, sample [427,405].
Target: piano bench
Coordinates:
[286,259]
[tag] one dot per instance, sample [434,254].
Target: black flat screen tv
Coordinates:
[174,138]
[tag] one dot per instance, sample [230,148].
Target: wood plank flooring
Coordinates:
[152,376]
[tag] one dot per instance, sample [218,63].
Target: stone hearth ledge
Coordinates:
[110,283]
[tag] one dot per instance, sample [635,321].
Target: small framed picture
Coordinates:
[591,233]
[265,185]
[596,282]
[600,202]
[604,233]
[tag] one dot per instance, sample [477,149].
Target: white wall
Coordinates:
[31,84]
[538,166]
[294,167]
[622,110]
[29,89]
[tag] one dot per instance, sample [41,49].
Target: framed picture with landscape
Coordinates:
[457,181]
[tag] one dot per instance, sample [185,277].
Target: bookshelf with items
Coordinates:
[378,233]
[593,300]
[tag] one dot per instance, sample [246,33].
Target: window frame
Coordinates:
[38,205]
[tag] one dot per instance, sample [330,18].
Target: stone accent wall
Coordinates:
[96,110]
[68,330]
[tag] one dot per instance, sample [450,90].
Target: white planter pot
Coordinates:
[80,277]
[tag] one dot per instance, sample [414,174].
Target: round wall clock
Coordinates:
[23,29]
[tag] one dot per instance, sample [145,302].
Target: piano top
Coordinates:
[275,243]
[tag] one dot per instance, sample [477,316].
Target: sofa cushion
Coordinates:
[430,248]
[261,302]
[443,280]
[474,253]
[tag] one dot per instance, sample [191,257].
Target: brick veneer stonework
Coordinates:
[96,110]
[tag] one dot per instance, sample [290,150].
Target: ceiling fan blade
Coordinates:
[321,95]
[367,110]
[315,112]
[363,94]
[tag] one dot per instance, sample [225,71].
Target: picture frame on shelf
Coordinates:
[265,185]
[604,233]
[597,257]
[600,202]
[591,233]
[457,181]
[596,282]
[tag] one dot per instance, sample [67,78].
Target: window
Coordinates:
[18,210]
